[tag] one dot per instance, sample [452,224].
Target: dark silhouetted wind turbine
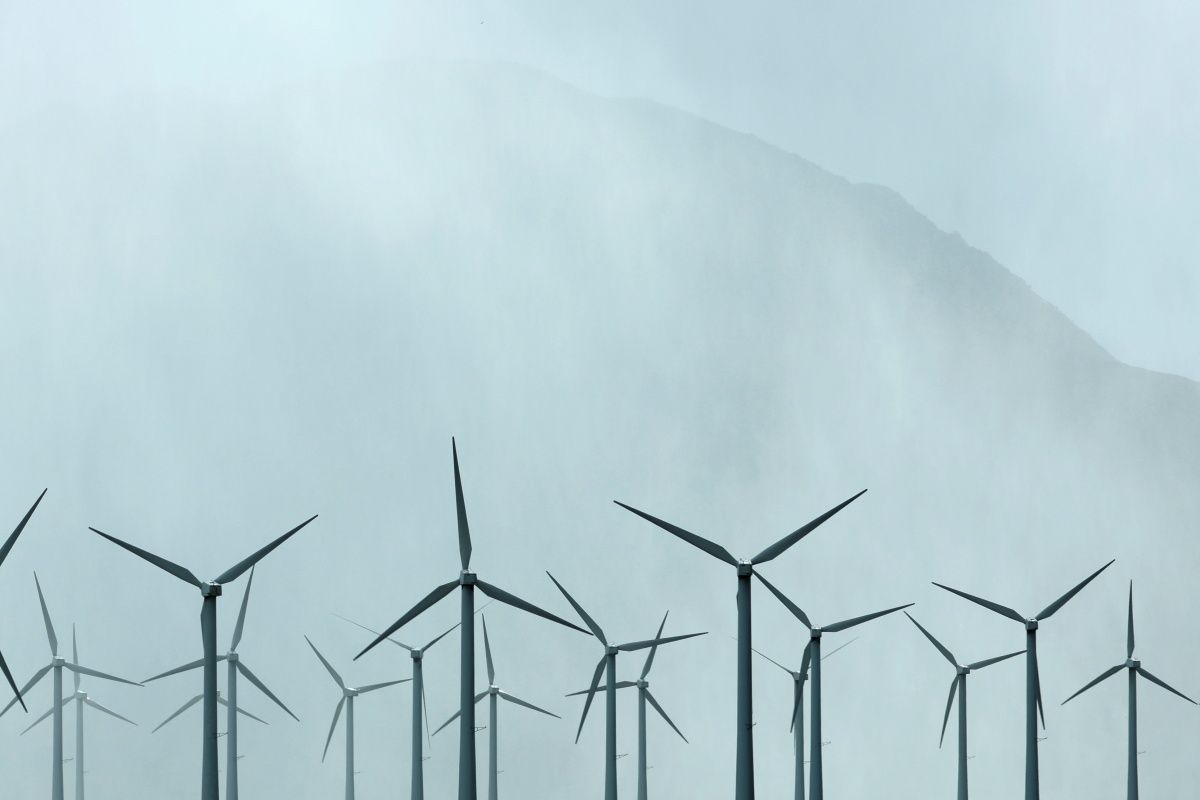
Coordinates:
[959,686]
[55,668]
[4,550]
[494,693]
[799,678]
[348,695]
[1134,668]
[466,582]
[608,665]
[80,698]
[418,700]
[744,777]
[1033,687]
[813,657]
[235,665]
[210,591]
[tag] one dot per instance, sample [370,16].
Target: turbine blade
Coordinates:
[439,637]
[74,655]
[161,563]
[460,505]
[487,649]
[987,662]
[97,674]
[796,709]
[37,676]
[225,703]
[12,537]
[783,544]
[337,712]
[850,623]
[249,561]
[618,685]
[370,687]
[654,649]
[333,672]
[1004,611]
[1108,673]
[425,716]
[587,619]
[941,647]
[506,696]
[591,694]
[773,661]
[453,717]
[497,593]
[663,714]
[396,642]
[631,646]
[425,602]
[1037,680]
[797,612]
[1161,683]
[949,705]
[33,724]
[46,617]
[712,548]
[839,647]
[108,711]
[1129,637]
[1062,601]
[241,620]
[8,676]
[181,709]
[806,658]
[262,687]
[199,662]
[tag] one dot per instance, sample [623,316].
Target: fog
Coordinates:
[262,262]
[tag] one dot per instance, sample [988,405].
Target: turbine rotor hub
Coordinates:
[815,633]
[493,689]
[416,655]
[210,589]
[466,578]
[1132,663]
[964,670]
[232,657]
[348,692]
[643,684]
[58,661]
[1031,624]
[745,569]
[611,651]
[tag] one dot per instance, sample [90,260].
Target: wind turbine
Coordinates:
[210,591]
[813,657]
[80,698]
[608,665]
[1134,668]
[1033,687]
[466,582]
[348,695]
[644,696]
[799,678]
[235,665]
[418,700]
[494,693]
[4,550]
[55,667]
[744,780]
[959,685]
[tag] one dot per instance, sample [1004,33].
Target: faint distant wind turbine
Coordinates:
[210,591]
[816,777]
[348,695]
[744,775]
[466,582]
[959,686]
[494,693]
[4,550]
[1134,668]
[1033,686]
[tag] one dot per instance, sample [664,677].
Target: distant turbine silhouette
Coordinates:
[80,698]
[608,665]
[959,685]
[1033,686]
[1134,668]
[744,775]
[348,695]
[210,591]
[644,696]
[55,668]
[4,550]
[466,583]
[236,665]
[813,656]
[799,678]
[418,700]
[493,693]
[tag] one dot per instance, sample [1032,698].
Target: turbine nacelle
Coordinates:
[611,650]
[82,695]
[1030,625]
[466,578]
[493,689]
[416,655]
[745,568]
[814,634]
[643,684]
[58,661]
[231,657]
[963,670]
[210,589]
[1132,663]
[349,692]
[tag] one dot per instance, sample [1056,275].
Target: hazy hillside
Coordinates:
[220,320]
